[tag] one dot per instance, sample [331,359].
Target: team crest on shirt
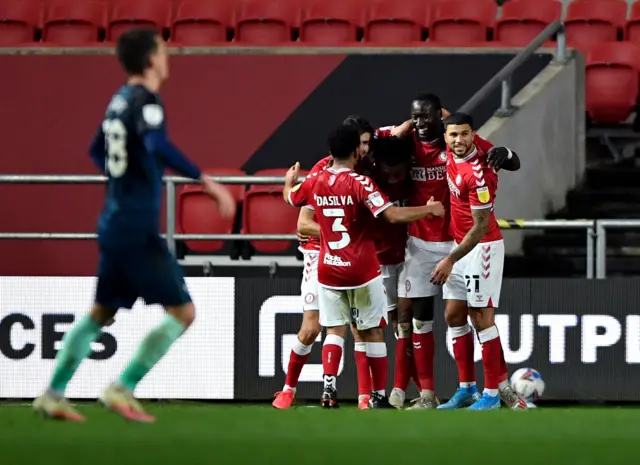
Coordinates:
[443,156]
[458,180]
[376,199]
[483,194]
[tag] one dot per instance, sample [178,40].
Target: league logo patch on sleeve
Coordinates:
[483,194]
[376,199]
[153,114]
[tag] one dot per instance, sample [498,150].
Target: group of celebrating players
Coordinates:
[356,270]
[388,217]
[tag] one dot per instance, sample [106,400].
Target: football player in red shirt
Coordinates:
[351,288]
[309,234]
[429,241]
[472,272]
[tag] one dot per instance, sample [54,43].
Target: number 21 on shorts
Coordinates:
[473,283]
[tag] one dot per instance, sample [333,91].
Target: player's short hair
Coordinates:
[344,141]
[361,123]
[458,119]
[430,99]
[135,47]
[393,151]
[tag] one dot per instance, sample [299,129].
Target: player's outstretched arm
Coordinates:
[502,158]
[157,142]
[399,215]
[98,152]
[480,227]
[306,226]
[290,181]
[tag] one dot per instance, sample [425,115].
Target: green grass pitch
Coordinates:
[220,434]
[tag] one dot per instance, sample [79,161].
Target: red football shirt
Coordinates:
[473,185]
[429,175]
[391,239]
[313,244]
[343,201]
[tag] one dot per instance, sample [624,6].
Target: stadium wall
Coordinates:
[582,335]
[548,131]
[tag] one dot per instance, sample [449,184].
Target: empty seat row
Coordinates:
[263,212]
[325,22]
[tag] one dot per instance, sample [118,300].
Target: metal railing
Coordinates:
[592,228]
[601,241]
[503,77]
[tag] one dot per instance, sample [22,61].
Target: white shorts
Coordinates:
[365,306]
[309,286]
[477,277]
[421,257]
[390,277]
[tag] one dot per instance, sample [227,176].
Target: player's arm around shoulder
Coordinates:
[306,226]
[403,215]
[498,157]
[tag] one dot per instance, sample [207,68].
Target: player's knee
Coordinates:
[356,334]
[185,314]
[482,318]
[372,335]
[423,308]
[340,331]
[309,333]
[455,313]
[403,310]
[102,315]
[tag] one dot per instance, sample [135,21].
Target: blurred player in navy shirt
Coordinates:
[132,149]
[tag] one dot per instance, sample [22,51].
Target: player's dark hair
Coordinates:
[134,49]
[392,151]
[459,119]
[430,99]
[361,123]
[344,141]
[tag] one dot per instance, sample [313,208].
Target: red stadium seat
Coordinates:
[612,81]
[632,30]
[19,20]
[128,13]
[522,20]
[263,22]
[265,212]
[201,22]
[197,213]
[69,22]
[396,23]
[462,22]
[590,22]
[331,23]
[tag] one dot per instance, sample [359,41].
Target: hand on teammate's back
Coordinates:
[222,196]
[437,209]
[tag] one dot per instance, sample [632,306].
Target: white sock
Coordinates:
[289,388]
[491,392]
[467,385]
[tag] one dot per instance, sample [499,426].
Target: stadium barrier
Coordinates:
[582,335]
[172,181]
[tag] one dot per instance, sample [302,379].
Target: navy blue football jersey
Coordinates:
[132,205]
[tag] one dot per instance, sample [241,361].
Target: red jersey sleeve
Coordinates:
[482,144]
[301,195]
[482,183]
[384,132]
[322,164]
[370,195]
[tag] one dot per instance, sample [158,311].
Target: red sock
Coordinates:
[362,367]
[463,353]
[332,354]
[379,363]
[300,353]
[504,370]
[423,352]
[491,357]
[404,365]
[414,374]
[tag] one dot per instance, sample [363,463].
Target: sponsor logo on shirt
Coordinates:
[334,260]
